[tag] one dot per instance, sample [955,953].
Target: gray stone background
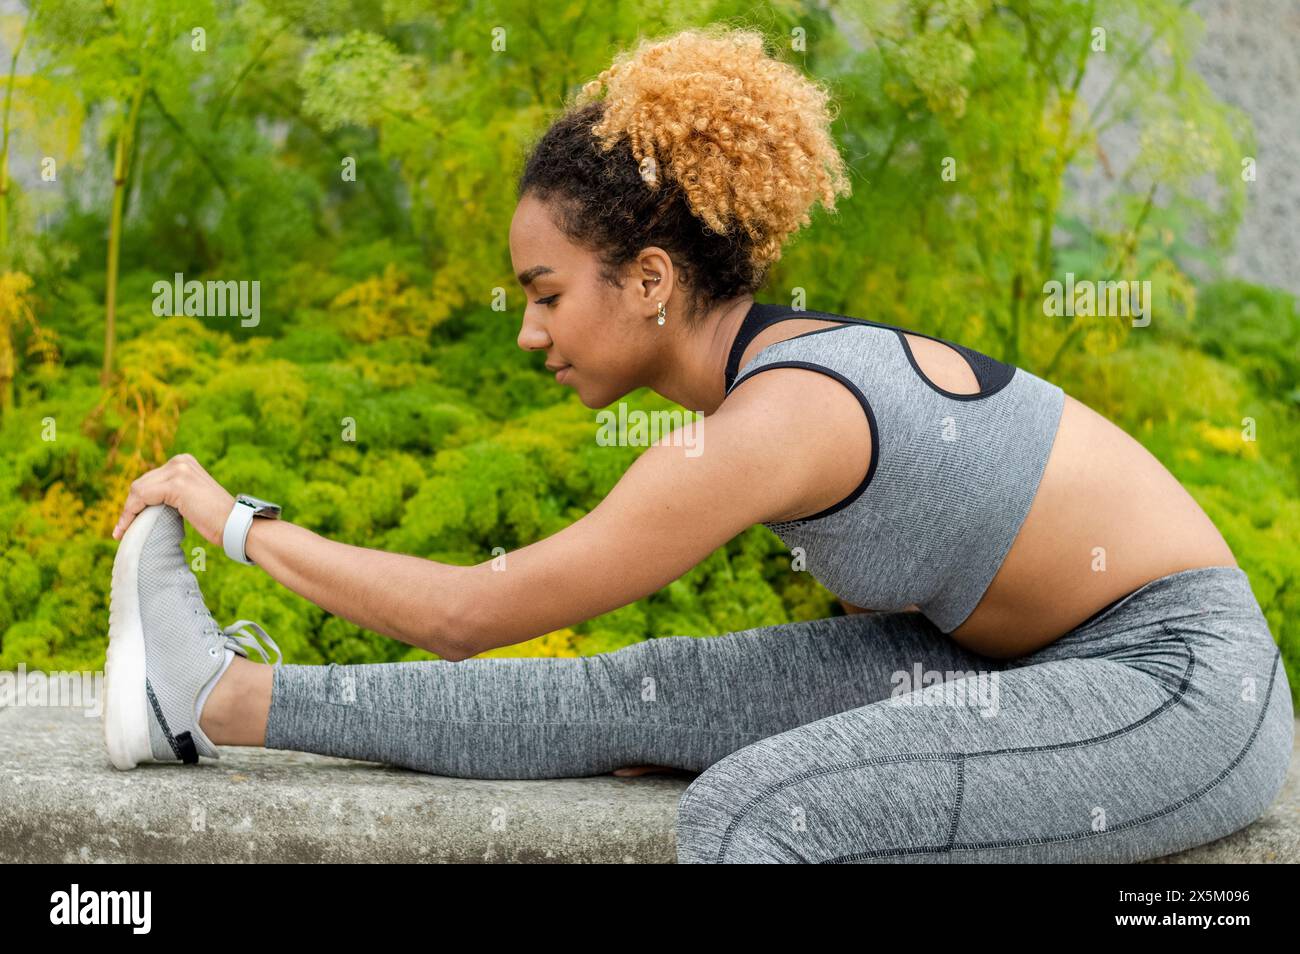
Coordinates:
[1249,56]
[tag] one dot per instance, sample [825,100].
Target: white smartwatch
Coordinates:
[241,520]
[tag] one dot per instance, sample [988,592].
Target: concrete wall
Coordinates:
[1249,56]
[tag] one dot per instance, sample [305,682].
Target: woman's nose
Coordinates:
[532,337]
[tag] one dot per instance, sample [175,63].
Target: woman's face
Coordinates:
[594,331]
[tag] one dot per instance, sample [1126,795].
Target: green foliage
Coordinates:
[357,79]
[1255,329]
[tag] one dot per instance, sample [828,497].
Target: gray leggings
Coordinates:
[1162,723]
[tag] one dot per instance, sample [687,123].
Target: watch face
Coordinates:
[261,508]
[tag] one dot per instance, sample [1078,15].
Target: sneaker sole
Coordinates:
[126,707]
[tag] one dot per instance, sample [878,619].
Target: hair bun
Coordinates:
[745,136]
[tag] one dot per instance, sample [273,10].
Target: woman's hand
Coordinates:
[642,770]
[181,483]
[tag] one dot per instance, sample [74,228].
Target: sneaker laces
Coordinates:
[232,637]
[236,637]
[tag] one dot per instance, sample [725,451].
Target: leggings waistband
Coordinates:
[1203,591]
[1114,602]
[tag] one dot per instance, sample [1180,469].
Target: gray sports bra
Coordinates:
[951,476]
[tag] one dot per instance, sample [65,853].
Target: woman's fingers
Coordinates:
[146,490]
[184,484]
[162,485]
[642,770]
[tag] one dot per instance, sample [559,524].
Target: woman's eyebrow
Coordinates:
[526,277]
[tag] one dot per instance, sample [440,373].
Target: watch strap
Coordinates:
[236,532]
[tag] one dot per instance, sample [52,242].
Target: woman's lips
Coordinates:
[562,375]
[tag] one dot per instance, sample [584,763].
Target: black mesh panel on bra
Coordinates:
[991,373]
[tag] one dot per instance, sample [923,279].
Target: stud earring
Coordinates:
[662,314]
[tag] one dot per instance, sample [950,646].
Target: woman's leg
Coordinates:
[677,701]
[236,710]
[1164,723]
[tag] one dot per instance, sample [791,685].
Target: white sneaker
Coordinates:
[165,651]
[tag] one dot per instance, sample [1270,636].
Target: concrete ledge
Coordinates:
[61,801]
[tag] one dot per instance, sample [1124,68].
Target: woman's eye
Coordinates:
[547,300]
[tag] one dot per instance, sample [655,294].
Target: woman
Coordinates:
[1064,662]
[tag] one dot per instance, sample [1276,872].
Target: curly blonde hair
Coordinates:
[701,143]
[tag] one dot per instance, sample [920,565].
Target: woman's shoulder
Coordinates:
[813,420]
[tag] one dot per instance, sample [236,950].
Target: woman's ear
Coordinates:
[656,275]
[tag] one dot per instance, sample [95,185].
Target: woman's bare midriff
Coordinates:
[1107,518]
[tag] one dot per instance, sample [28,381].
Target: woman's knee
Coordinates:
[782,800]
[712,814]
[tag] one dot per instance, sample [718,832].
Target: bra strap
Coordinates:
[757,318]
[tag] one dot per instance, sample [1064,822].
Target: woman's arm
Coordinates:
[763,456]
[667,513]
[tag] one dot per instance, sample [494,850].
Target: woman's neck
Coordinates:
[694,363]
